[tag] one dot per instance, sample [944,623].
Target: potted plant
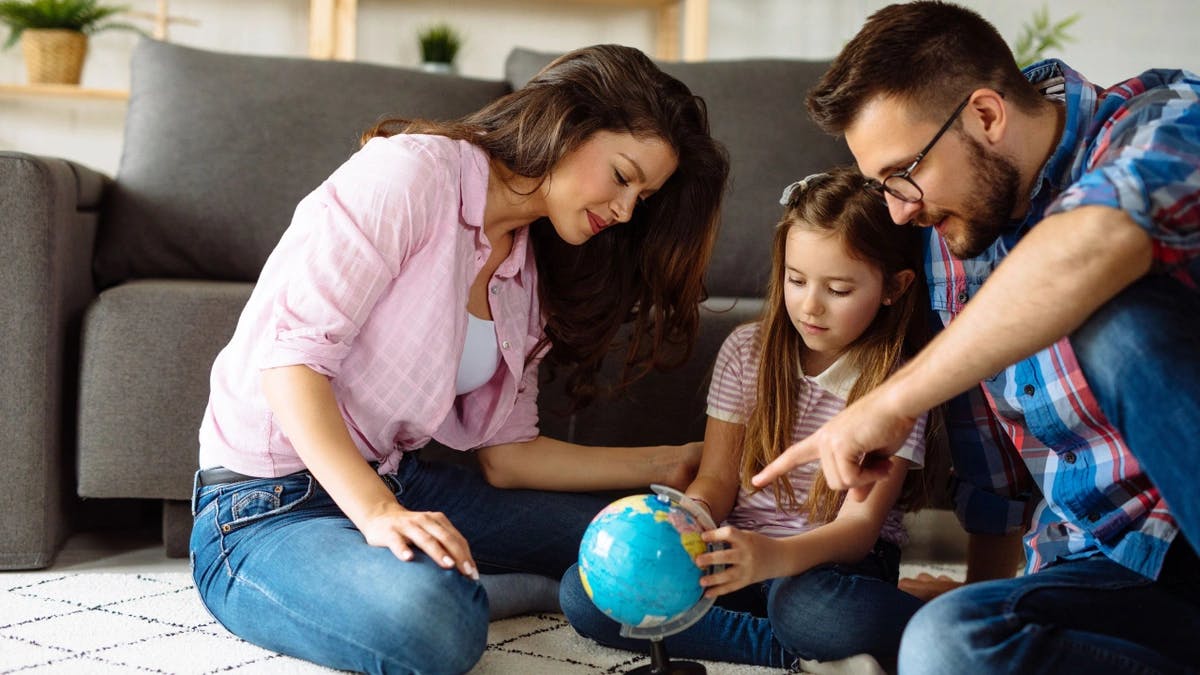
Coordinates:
[439,45]
[1041,34]
[54,34]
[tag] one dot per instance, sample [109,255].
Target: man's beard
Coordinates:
[997,182]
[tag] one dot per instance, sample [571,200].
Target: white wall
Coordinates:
[1114,40]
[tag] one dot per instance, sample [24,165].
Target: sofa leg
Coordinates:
[176,527]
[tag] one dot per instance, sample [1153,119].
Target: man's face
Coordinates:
[970,192]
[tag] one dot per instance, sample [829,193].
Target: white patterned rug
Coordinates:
[58,622]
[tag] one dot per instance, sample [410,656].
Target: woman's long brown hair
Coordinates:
[647,272]
[838,205]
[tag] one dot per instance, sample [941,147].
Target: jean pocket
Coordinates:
[252,501]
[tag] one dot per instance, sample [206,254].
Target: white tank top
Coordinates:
[480,356]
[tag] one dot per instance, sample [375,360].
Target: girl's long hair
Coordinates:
[647,272]
[838,205]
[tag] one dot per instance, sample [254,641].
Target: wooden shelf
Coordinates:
[62,91]
[681,32]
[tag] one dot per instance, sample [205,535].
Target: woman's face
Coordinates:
[598,184]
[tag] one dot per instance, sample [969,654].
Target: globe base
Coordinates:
[661,664]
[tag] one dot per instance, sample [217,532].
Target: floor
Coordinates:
[115,552]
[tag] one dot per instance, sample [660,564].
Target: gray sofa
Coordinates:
[120,291]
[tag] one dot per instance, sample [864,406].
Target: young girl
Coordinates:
[809,574]
[412,298]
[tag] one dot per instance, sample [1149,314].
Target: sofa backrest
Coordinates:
[219,148]
[756,108]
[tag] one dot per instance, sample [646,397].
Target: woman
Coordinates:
[412,298]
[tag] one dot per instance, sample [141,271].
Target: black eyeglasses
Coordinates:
[900,184]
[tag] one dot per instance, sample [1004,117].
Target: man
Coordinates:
[1065,247]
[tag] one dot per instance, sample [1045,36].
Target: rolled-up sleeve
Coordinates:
[1146,163]
[346,244]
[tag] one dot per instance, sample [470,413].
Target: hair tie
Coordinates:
[803,184]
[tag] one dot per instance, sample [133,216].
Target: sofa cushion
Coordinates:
[149,346]
[756,108]
[219,148]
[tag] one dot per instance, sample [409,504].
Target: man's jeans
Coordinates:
[1088,616]
[830,612]
[1140,353]
[278,564]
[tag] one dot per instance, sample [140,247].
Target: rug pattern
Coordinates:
[154,623]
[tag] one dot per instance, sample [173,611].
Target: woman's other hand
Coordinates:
[677,464]
[399,530]
[927,587]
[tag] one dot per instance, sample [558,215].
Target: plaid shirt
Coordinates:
[1031,444]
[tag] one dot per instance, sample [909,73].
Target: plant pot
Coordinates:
[438,67]
[53,55]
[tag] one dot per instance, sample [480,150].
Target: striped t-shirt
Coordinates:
[731,397]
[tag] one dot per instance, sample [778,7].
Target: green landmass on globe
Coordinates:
[637,560]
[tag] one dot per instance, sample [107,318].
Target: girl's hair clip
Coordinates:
[803,184]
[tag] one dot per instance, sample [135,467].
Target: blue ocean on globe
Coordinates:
[636,560]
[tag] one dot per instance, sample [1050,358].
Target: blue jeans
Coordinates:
[829,612]
[1140,353]
[279,565]
[1086,616]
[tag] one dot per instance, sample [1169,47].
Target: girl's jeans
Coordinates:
[830,612]
[279,565]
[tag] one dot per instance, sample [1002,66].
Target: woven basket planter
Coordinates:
[53,56]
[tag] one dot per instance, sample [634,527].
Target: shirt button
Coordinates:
[962,297]
[1069,458]
[506,344]
[495,290]
[1029,390]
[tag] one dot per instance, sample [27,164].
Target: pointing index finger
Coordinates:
[799,453]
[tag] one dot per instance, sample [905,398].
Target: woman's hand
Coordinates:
[678,464]
[750,557]
[399,529]
[927,587]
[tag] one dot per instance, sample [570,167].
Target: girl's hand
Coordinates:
[399,529]
[750,557]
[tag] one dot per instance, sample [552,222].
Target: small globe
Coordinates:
[637,560]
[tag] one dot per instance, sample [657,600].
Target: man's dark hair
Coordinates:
[930,52]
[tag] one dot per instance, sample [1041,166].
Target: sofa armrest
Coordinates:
[48,214]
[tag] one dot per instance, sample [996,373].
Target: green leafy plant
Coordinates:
[439,43]
[1040,34]
[84,16]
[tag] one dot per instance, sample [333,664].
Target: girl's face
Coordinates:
[830,296]
[598,184]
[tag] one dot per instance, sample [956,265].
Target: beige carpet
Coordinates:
[57,622]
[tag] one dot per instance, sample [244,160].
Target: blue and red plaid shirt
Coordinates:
[1031,445]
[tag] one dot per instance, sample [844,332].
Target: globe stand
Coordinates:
[660,662]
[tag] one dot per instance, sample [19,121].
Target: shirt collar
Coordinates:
[1059,82]
[473,182]
[838,378]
